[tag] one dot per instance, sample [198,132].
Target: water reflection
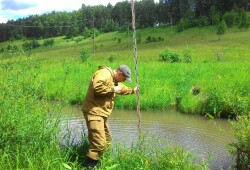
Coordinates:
[205,138]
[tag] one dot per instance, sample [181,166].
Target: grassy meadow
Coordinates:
[215,82]
[32,84]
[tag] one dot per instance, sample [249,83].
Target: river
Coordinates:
[207,139]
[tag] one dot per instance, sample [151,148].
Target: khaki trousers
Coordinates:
[98,134]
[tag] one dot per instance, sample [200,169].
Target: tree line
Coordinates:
[185,13]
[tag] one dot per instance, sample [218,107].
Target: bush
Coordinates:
[201,21]
[221,29]
[183,25]
[187,55]
[48,42]
[243,20]
[153,39]
[90,32]
[28,45]
[112,57]
[84,55]
[170,56]
[229,18]
[119,40]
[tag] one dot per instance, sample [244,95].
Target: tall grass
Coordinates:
[215,83]
[33,136]
[241,147]
[28,132]
[147,154]
[218,89]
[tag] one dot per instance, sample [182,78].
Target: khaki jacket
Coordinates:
[100,96]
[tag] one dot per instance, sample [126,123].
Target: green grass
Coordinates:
[34,84]
[219,69]
[33,136]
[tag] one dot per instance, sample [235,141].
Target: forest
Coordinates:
[186,13]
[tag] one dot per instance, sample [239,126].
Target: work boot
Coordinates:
[90,163]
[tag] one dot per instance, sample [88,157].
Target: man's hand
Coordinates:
[118,89]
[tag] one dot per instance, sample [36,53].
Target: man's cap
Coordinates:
[126,71]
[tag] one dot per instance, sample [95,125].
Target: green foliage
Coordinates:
[84,55]
[183,25]
[153,39]
[12,47]
[149,154]
[214,16]
[28,45]
[241,148]
[223,86]
[172,56]
[224,89]
[187,55]
[27,131]
[109,26]
[48,42]
[119,40]
[78,39]
[90,32]
[112,57]
[201,21]
[230,18]
[221,29]
[244,20]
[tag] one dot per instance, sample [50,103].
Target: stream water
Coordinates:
[207,139]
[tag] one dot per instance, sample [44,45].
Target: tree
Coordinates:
[146,13]
[214,16]
[121,13]
[222,27]
[230,18]
[243,20]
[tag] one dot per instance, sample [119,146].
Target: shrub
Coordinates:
[243,20]
[183,25]
[112,57]
[90,32]
[84,55]
[201,21]
[48,42]
[119,40]
[153,39]
[229,18]
[35,44]
[222,27]
[28,45]
[187,55]
[170,56]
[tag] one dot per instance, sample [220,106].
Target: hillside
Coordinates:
[204,43]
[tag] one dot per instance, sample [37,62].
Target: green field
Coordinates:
[215,84]
[219,69]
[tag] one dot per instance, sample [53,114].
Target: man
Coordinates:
[98,105]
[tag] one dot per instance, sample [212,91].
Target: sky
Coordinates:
[14,9]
